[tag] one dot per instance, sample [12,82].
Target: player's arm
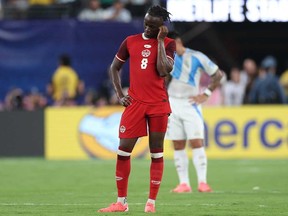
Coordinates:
[214,82]
[164,64]
[114,73]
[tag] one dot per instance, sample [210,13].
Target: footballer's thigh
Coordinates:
[133,121]
[193,122]
[157,117]
[157,129]
[175,129]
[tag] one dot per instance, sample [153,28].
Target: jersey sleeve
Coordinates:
[123,53]
[171,49]
[209,66]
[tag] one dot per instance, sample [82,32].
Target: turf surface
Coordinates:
[32,186]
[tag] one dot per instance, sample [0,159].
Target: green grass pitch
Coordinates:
[30,186]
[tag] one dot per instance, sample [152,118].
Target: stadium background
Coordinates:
[57,161]
[29,51]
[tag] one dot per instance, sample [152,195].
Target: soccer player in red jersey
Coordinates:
[151,56]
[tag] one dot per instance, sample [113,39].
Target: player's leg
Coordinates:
[181,163]
[157,129]
[176,133]
[200,164]
[132,126]
[123,167]
[195,132]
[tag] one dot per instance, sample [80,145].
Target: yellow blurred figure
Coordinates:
[65,84]
[41,2]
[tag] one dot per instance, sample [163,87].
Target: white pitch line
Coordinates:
[45,204]
[247,192]
[132,204]
[82,204]
[262,206]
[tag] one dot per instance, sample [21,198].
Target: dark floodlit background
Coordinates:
[31,41]
[58,158]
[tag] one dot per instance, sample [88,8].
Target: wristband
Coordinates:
[208,92]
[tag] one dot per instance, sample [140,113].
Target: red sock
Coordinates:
[156,173]
[122,172]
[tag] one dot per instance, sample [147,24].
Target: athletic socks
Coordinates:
[181,162]
[123,167]
[151,201]
[156,172]
[123,200]
[200,164]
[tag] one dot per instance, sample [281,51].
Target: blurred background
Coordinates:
[50,45]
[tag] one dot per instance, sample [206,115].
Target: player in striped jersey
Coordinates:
[186,123]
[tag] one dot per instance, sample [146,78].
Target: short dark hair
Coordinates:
[65,60]
[158,11]
[173,34]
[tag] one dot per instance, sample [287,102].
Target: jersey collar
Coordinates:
[143,36]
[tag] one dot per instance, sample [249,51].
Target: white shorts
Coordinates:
[186,121]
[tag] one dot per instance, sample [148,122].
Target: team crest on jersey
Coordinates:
[146,53]
[122,129]
[147,46]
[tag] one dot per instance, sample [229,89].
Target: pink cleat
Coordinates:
[204,187]
[182,188]
[115,207]
[150,208]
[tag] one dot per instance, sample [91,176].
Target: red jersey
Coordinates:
[145,83]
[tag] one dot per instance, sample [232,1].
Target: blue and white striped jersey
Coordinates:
[187,71]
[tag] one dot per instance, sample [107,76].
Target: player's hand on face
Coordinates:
[126,101]
[198,99]
[163,31]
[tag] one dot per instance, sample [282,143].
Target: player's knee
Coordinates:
[196,143]
[179,145]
